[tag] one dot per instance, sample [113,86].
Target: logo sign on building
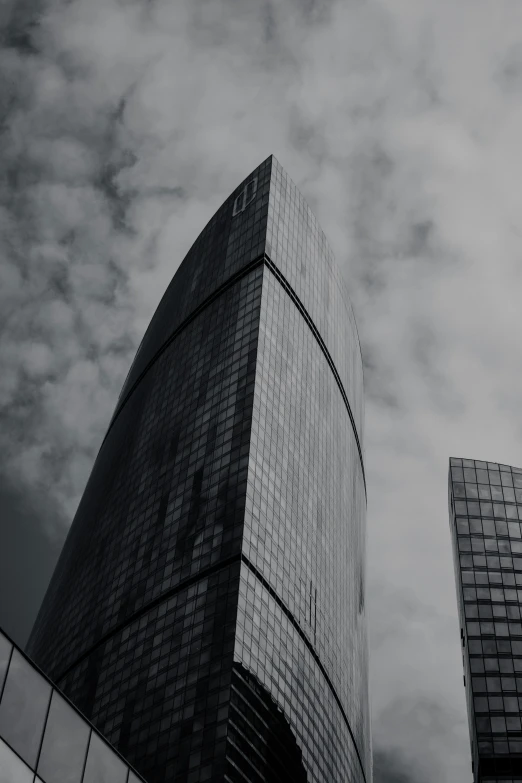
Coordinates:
[245,197]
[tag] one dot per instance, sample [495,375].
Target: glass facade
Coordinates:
[485,501]
[209,599]
[43,738]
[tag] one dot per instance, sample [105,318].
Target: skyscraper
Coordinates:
[207,612]
[485,501]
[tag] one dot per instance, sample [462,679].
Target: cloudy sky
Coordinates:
[125,124]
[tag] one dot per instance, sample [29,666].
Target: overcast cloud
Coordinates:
[125,125]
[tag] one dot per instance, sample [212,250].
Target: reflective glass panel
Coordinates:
[5,652]
[103,765]
[23,708]
[64,744]
[12,768]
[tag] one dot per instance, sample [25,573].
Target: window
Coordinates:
[103,765]
[23,708]
[64,744]
[12,769]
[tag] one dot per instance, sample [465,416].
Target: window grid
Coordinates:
[486,499]
[147,617]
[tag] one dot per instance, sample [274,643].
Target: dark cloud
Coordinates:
[509,72]
[378,381]
[18,21]
[31,536]
[427,726]
[64,294]
[420,235]
[390,767]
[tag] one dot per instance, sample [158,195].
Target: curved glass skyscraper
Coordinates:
[207,612]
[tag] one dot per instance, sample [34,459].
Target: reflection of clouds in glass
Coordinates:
[64,744]
[103,765]
[12,769]
[5,652]
[23,708]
